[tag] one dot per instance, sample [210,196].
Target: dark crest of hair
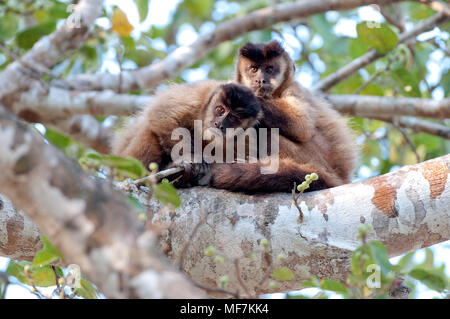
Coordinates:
[241,100]
[258,52]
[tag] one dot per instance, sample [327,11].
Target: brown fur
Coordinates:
[314,137]
[149,138]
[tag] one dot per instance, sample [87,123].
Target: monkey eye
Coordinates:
[254,69]
[269,69]
[220,110]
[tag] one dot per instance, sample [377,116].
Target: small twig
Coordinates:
[407,139]
[159,175]
[397,21]
[238,276]
[216,289]
[294,199]
[5,279]
[59,288]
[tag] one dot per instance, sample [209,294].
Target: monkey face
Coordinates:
[263,78]
[263,67]
[232,106]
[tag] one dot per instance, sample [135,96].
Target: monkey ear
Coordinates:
[273,49]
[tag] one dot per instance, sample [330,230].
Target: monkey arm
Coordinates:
[289,116]
[247,177]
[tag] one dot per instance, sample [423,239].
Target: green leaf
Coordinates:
[9,24]
[42,276]
[27,38]
[332,285]
[59,140]
[429,259]
[431,278]
[380,256]
[445,83]
[87,291]
[406,263]
[283,274]
[382,38]
[131,167]
[419,11]
[142,6]
[407,82]
[166,194]
[198,8]
[47,254]
[357,48]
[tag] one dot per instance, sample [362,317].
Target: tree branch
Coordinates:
[92,224]
[168,68]
[408,209]
[346,71]
[418,125]
[49,49]
[367,105]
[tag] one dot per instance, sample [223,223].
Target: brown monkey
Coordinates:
[149,139]
[268,71]
[315,137]
[217,104]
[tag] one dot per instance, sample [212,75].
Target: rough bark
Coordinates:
[408,209]
[20,238]
[92,224]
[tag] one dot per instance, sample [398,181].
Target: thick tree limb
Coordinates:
[367,105]
[408,209]
[92,224]
[61,104]
[53,104]
[371,56]
[49,49]
[168,68]
[418,125]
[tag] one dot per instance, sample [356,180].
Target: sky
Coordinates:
[160,13]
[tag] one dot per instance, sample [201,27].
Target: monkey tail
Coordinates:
[248,177]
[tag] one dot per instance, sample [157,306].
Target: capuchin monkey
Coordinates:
[314,138]
[216,104]
[268,71]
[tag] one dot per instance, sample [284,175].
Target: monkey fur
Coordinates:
[217,104]
[315,137]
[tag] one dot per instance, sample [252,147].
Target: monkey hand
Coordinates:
[195,174]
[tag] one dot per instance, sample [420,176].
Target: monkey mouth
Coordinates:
[263,91]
